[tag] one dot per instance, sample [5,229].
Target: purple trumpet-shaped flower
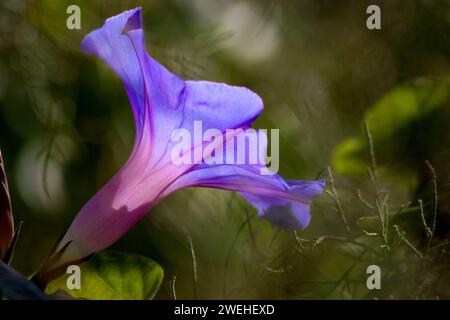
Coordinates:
[6,218]
[161,103]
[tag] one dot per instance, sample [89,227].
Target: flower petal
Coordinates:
[161,102]
[286,204]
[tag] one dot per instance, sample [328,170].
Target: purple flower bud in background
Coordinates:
[6,218]
[161,103]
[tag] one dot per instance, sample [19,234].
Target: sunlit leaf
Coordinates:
[114,276]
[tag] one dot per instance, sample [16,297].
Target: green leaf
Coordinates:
[114,276]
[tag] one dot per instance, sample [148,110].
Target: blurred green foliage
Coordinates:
[406,124]
[66,128]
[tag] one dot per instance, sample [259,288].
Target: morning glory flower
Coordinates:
[6,218]
[161,103]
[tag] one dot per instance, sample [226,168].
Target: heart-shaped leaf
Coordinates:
[113,276]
